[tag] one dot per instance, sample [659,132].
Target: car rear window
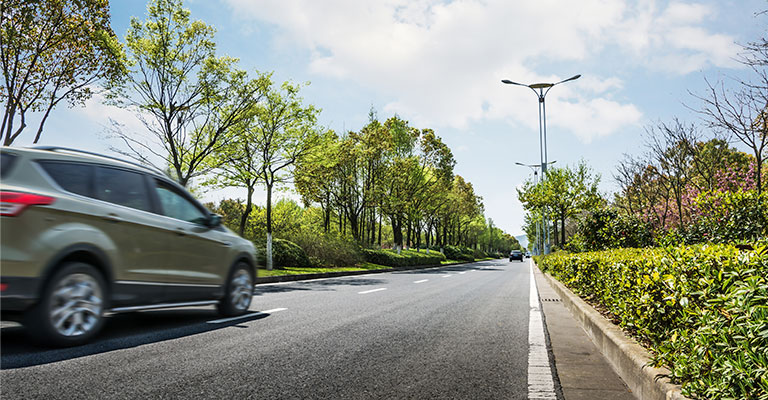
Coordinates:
[122,187]
[72,177]
[6,163]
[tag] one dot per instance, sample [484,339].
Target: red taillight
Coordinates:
[13,203]
[3,286]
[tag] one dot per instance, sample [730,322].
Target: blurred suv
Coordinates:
[83,234]
[516,255]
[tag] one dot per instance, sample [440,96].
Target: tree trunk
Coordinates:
[380,220]
[562,233]
[269,227]
[397,231]
[247,211]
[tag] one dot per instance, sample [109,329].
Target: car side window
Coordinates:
[177,206]
[122,187]
[72,177]
[6,163]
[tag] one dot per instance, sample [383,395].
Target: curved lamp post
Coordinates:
[541,93]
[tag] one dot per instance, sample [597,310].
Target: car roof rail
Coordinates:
[69,149]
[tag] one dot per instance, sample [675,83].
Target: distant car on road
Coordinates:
[516,255]
[527,254]
[84,234]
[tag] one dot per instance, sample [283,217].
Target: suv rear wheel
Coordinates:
[71,309]
[238,291]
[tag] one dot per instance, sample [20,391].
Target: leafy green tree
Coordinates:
[284,131]
[565,192]
[315,177]
[187,98]
[52,50]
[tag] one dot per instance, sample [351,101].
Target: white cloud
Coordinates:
[440,62]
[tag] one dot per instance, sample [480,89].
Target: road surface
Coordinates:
[458,332]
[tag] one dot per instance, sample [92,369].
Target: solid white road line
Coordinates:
[540,382]
[372,290]
[223,320]
[421,281]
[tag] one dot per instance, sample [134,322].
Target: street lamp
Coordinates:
[534,168]
[538,89]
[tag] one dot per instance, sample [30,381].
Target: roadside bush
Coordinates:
[701,309]
[728,217]
[406,258]
[606,228]
[328,250]
[284,254]
[459,253]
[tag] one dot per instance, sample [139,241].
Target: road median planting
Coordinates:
[700,310]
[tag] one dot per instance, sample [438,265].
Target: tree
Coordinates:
[564,191]
[743,112]
[52,50]
[284,131]
[315,177]
[186,97]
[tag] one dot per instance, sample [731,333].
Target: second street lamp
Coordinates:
[538,89]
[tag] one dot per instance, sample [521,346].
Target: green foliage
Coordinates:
[728,217]
[284,254]
[406,258]
[702,309]
[561,195]
[459,253]
[328,250]
[606,228]
[52,51]
[188,99]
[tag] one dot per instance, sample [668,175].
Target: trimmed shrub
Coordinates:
[284,254]
[406,258]
[703,310]
[329,251]
[459,253]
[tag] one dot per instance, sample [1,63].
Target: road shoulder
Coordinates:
[583,371]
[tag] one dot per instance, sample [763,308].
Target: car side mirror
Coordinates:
[214,220]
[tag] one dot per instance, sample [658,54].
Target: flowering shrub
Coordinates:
[726,217]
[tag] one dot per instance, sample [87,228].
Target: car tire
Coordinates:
[238,292]
[71,309]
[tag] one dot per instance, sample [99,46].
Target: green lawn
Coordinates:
[262,272]
[366,266]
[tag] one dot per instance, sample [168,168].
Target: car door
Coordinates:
[130,220]
[198,262]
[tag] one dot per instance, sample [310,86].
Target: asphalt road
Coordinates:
[458,332]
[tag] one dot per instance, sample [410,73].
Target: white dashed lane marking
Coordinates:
[267,312]
[421,281]
[372,290]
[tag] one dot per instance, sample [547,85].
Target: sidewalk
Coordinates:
[583,372]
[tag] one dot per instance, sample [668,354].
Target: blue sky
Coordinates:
[439,65]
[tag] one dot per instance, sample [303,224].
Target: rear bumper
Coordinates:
[18,293]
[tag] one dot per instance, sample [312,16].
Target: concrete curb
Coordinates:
[306,277]
[630,360]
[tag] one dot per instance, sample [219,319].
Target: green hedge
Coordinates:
[703,310]
[459,253]
[406,258]
[284,254]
